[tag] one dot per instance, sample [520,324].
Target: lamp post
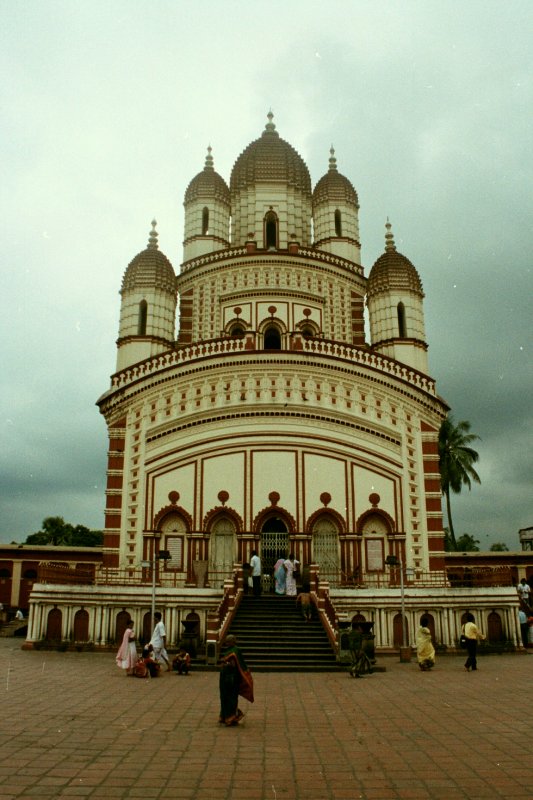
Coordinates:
[405,650]
[156,555]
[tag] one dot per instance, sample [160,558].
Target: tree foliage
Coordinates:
[456,460]
[467,543]
[499,547]
[56,531]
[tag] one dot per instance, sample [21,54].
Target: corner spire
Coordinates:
[152,240]
[209,163]
[332,160]
[390,247]
[270,127]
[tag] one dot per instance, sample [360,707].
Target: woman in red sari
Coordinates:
[235,680]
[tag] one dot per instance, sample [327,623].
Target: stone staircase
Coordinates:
[275,638]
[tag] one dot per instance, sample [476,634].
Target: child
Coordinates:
[182,662]
[305,600]
[151,664]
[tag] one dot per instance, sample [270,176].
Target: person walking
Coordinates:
[235,679]
[159,641]
[127,654]
[255,571]
[279,576]
[472,634]
[291,567]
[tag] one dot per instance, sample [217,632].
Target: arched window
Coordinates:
[143,314]
[271,231]
[272,338]
[402,330]
[307,332]
[338,223]
[237,331]
[205,221]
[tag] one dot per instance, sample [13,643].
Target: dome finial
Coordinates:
[332,160]
[152,241]
[270,127]
[389,239]
[209,163]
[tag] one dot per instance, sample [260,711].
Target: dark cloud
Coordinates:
[429,109]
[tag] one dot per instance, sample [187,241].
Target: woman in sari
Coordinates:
[291,565]
[235,680]
[425,652]
[127,653]
[279,576]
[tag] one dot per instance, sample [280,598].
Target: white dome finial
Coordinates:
[270,125]
[209,163]
[389,239]
[152,240]
[332,160]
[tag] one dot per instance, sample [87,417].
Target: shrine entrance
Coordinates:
[274,545]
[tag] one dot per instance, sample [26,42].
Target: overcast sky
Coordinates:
[108,108]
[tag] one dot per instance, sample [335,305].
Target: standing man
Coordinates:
[523,590]
[159,641]
[524,627]
[255,571]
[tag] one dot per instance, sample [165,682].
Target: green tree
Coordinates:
[467,543]
[456,460]
[499,547]
[56,531]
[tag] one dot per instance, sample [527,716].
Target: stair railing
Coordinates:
[220,618]
[325,608]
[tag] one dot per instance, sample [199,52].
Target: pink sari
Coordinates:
[127,654]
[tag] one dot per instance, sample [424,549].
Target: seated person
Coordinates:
[182,662]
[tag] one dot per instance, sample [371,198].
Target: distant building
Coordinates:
[526,538]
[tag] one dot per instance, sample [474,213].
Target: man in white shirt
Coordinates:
[159,641]
[255,572]
[523,591]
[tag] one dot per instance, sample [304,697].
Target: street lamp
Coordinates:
[160,555]
[394,561]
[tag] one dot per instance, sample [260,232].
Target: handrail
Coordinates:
[221,346]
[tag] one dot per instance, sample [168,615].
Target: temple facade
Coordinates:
[271,394]
[249,409]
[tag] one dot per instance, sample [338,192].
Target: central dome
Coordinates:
[270,159]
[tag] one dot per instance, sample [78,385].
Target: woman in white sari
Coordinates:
[291,565]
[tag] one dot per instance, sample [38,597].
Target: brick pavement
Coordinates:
[73,725]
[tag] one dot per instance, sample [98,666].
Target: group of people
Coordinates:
[425,651]
[154,654]
[285,573]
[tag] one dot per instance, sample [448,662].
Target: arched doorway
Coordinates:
[397,628]
[272,338]
[222,550]
[81,626]
[495,627]
[325,545]
[274,542]
[54,625]
[122,620]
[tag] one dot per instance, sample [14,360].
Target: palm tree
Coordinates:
[456,460]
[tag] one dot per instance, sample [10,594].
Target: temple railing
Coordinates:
[63,574]
[362,356]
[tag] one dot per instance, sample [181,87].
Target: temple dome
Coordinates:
[150,268]
[393,271]
[334,187]
[270,159]
[208,184]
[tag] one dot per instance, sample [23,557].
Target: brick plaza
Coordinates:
[73,725]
